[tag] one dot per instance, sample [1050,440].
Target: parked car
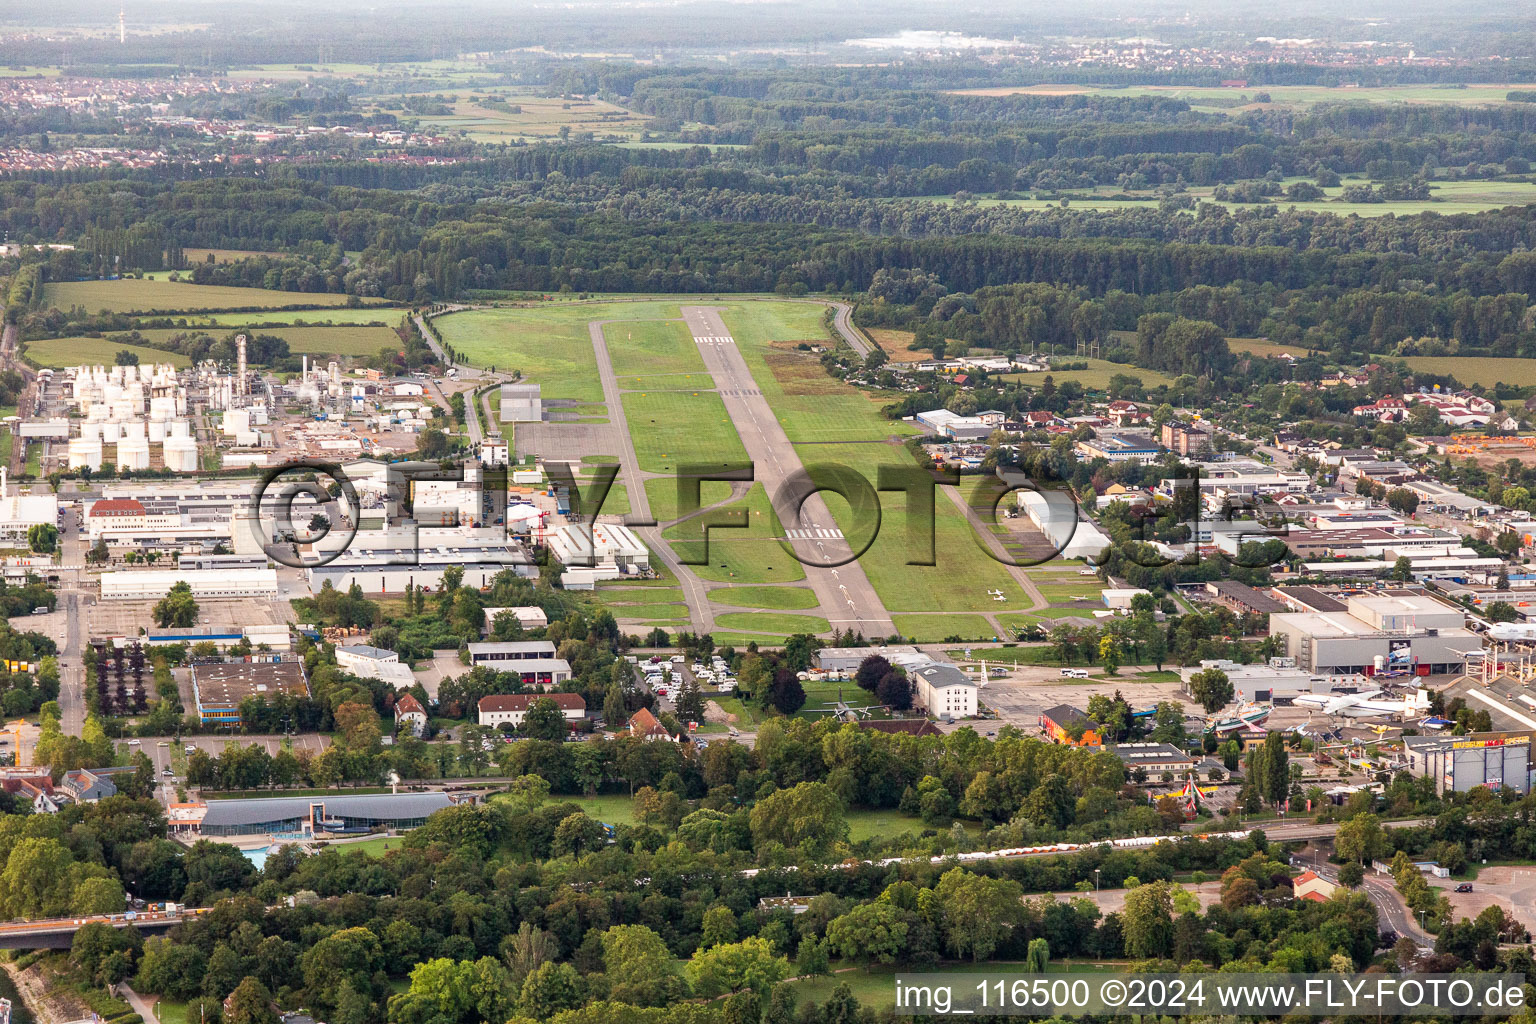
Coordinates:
[1464,887]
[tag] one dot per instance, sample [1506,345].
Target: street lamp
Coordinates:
[1095,879]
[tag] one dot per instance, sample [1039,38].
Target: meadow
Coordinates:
[739,556]
[60,352]
[934,628]
[652,347]
[351,340]
[1228,99]
[496,114]
[372,315]
[674,428]
[1446,198]
[131,296]
[782,598]
[1484,370]
[783,623]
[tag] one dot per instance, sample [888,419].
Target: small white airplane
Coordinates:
[1362,705]
[1510,632]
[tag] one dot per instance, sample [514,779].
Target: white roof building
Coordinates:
[21,512]
[599,544]
[152,584]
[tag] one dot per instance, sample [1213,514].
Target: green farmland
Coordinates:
[60,352]
[130,296]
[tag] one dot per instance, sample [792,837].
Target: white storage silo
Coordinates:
[237,422]
[90,431]
[248,439]
[157,431]
[181,455]
[85,453]
[111,431]
[133,430]
[133,453]
[180,428]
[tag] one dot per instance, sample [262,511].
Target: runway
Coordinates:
[847,598]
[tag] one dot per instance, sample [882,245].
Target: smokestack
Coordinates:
[122,27]
[240,357]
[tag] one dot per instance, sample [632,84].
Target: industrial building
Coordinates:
[293,815]
[847,659]
[367,662]
[1055,514]
[521,403]
[1279,680]
[527,616]
[20,512]
[1395,631]
[1498,760]
[1157,760]
[152,584]
[1243,599]
[220,687]
[600,545]
[510,709]
[379,571]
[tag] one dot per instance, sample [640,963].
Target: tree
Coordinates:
[577,834]
[1037,957]
[43,538]
[1351,875]
[809,814]
[895,690]
[870,933]
[1147,921]
[718,926]
[640,967]
[615,713]
[1361,839]
[975,912]
[550,988]
[785,692]
[172,970]
[690,702]
[1401,499]
[870,671]
[750,965]
[177,609]
[348,959]
[1402,569]
[250,1003]
[1212,688]
[545,721]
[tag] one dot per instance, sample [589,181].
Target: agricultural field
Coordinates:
[79,351]
[1446,198]
[1484,370]
[371,315]
[1095,378]
[319,341]
[498,114]
[131,296]
[1239,100]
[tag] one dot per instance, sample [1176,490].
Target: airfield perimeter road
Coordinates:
[846,596]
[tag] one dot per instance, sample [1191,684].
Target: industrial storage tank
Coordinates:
[111,431]
[181,455]
[156,431]
[237,421]
[133,429]
[180,428]
[133,453]
[90,431]
[85,453]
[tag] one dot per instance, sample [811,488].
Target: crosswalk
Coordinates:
[715,339]
[817,534]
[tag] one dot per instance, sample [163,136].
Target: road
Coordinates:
[700,614]
[847,598]
[1392,913]
[842,320]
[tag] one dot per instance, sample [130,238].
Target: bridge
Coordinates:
[59,932]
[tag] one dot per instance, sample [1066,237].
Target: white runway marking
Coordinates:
[819,534]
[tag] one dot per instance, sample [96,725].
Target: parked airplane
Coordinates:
[1363,705]
[1511,632]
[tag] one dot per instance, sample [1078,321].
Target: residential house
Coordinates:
[87,787]
[1311,886]
[1126,414]
[644,725]
[512,708]
[944,691]
[410,715]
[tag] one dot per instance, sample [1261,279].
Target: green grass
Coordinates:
[668,382]
[306,317]
[785,598]
[372,847]
[652,347]
[885,823]
[353,340]
[170,1012]
[80,351]
[931,628]
[1096,377]
[749,555]
[649,612]
[674,428]
[1280,95]
[553,351]
[774,622]
[131,296]
[611,808]
[662,494]
[1485,370]
[34,466]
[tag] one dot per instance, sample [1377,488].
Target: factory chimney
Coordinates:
[122,26]
[240,359]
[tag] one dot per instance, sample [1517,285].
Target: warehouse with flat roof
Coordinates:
[219,687]
[152,584]
[297,815]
